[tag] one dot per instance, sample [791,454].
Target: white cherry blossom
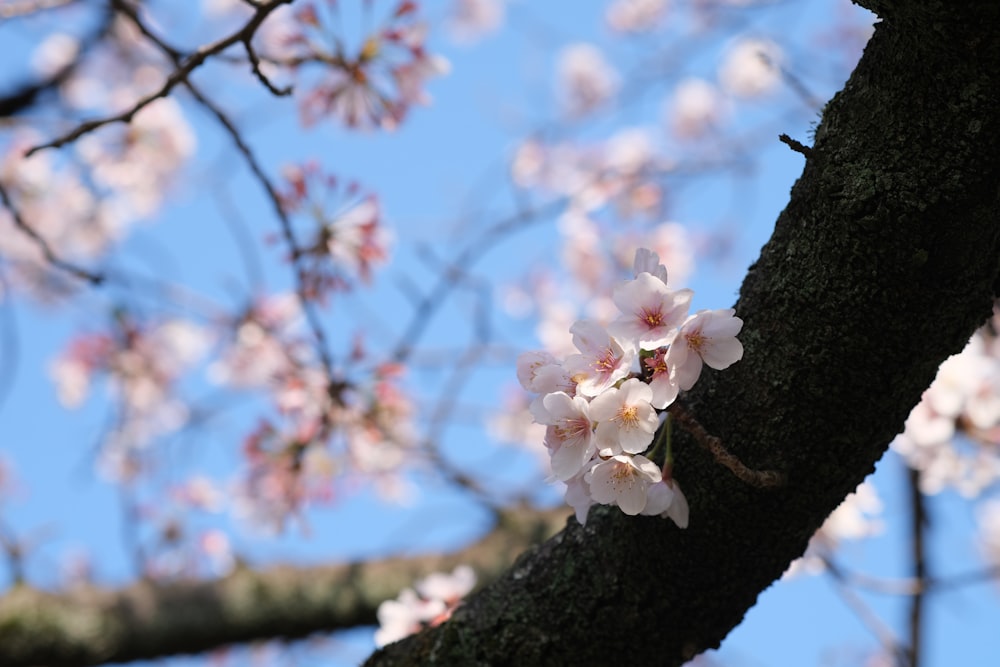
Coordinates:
[666,499]
[625,419]
[651,312]
[708,336]
[751,68]
[624,481]
[570,433]
[602,360]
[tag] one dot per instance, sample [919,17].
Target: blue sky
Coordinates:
[443,171]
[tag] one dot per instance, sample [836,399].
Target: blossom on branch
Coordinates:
[600,433]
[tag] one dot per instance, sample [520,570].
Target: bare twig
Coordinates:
[759,478]
[288,234]
[918,527]
[255,65]
[43,245]
[910,585]
[179,75]
[868,617]
[795,145]
[15,8]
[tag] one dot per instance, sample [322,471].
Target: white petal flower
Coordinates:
[708,336]
[569,436]
[626,420]
[578,497]
[602,360]
[540,373]
[623,480]
[751,68]
[449,588]
[666,499]
[647,261]
[663,382]
[651,312]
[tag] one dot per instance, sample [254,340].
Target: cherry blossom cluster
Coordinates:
[370,85]
[964,399]
[318,433]
[343,244]
[142,362]
[431,603]
[601,406]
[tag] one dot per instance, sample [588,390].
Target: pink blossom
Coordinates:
[624,481]
[602,360]
[578,496]
[647,261]
[665,498]
[751,68]
[625,419]
[569,436]
[708,336]
[695,109]
[636,15]
[651,312]
[586,79]
[540,373]
[472,19]
[663,381]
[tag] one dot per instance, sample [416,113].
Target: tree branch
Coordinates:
[881,266]
[88,625]
[179,75]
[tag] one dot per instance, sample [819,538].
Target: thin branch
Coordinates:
[867,617]
[918,526]
[255,65]
[43,245]
[179,75]
[265,182]
[15,9]
[795,145]
[90,625]
[759,478]
[910,585]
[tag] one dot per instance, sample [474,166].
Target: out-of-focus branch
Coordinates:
[918,527]
[90,625]
[43,245]
[179,75]
[13,9]
[868,617]
[288,233]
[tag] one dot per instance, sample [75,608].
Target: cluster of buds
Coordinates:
[602,406]
[345,243]
[371,86]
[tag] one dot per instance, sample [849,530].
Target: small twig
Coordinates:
[179,75]
[795,145]
[868,617]
[255,66]
[43,245]
[759,478]
[15,9]
[322,345]
[918,525]
[910,585]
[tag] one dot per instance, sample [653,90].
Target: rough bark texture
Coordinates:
[884,262]
[89,626]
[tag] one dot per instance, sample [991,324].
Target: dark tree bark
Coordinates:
[882,265]
[884,262]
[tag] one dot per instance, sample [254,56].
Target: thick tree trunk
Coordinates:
[884,262]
